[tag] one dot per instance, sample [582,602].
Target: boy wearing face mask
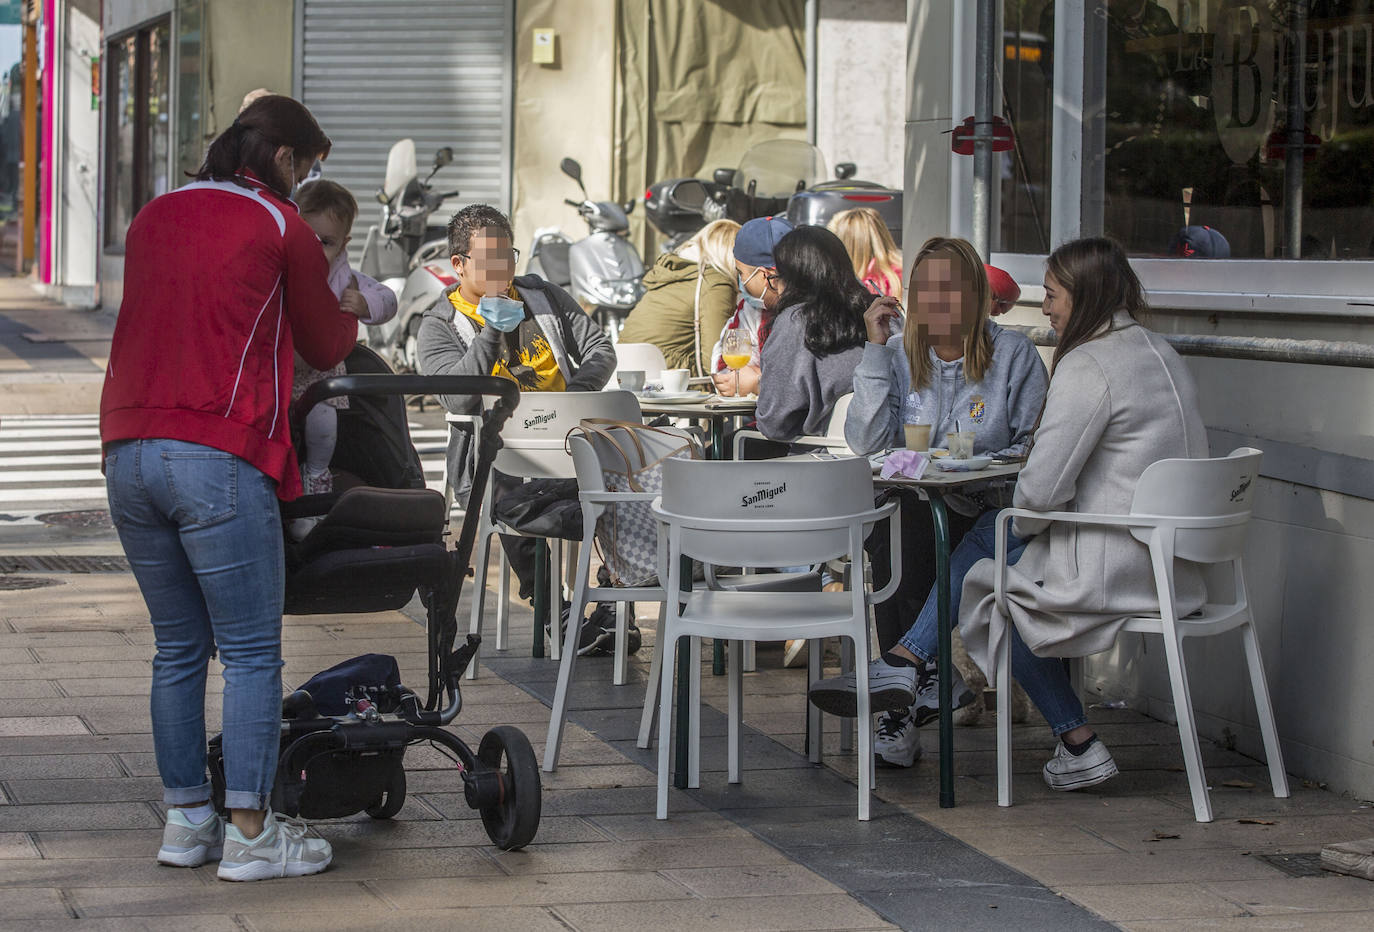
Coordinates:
[495,323]
[757,299]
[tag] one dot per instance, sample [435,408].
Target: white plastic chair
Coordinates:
[643,356]
[533,447]
[765,513]
[1185,509]
[591,454]
[833,438]
[833,441]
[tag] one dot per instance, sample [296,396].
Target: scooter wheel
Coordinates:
[395,797]
[512,822]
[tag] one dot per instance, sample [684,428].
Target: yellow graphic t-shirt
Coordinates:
[526,357]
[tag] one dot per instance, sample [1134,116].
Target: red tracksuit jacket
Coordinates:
[222,283]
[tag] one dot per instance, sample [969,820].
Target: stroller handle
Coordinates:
[505,390]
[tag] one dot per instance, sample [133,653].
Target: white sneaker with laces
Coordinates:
[889,688]
[1069,771]
[896,742]
[926,708]
[282,849]
[188,845]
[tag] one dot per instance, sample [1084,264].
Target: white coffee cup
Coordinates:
[632,380]
[675,380]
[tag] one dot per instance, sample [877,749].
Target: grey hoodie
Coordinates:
[1001,409]
[451,344]
[797,389]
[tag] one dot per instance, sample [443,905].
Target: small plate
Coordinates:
[972,464]
[675,397]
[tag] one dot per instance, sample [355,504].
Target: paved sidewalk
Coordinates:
[52,358]
[80,818]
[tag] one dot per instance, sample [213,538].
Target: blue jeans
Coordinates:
[202,531]
[1043,678]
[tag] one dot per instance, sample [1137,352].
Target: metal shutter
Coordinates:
[438,71]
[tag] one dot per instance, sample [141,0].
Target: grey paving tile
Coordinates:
[530,889]
[100,843]
[553,829]
[49,766]
[759,913]
[142,871]
[482,919]
[14,845]
[1127,902]
[301,895]
[79,816]
[84,790]
[1028,908]
[129,924]
[22,905]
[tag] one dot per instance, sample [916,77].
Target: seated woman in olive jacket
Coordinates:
[689,294]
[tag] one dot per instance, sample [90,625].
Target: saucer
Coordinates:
[972,464]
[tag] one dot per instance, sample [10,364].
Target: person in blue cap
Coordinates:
[1199,242]
[757,300]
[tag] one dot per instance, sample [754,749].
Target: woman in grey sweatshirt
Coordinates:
[952,368]
[811,348]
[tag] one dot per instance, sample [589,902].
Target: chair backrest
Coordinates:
[592,453]
[1221,488]
[644,356]
[533,440]
[835,429]
[702,491]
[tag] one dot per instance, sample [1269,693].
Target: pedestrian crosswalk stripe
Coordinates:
[54,460]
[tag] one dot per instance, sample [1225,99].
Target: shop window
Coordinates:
[1027,54]
[138,134]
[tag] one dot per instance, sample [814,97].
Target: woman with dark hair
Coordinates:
[951,369]
[1119,399]
[223,284]
[816,340]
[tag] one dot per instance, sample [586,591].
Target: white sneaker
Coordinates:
[792,653]
[889,688]
[926,708]
[896,742]
[1069,771]
[280,850]
[188,845]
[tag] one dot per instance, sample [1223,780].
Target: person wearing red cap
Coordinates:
[1005,291]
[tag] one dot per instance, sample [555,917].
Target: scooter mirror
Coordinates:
[400,168]
[725,176]
[689,195]
[845,170]
[571,169]
[443,157]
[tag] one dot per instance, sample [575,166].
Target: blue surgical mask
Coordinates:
[750,300]
[501,312]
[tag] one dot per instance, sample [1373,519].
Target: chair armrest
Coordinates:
[1077,517]
[610,497]
[893,512]
[771,524]
[740,437]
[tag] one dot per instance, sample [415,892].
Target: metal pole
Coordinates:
[984,75]
[812,44]
[1296,135]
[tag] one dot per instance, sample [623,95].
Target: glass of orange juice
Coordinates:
[736,349]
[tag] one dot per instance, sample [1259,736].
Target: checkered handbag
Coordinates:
[627,532]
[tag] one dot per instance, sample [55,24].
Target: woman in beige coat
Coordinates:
[1119,399]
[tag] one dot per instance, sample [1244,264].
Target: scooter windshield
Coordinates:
[778,166]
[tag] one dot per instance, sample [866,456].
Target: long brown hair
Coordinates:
[977,340]
[251,142]
[1100,282]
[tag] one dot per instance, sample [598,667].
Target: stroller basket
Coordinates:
[345,733]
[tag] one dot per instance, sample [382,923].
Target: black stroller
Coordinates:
[344,734]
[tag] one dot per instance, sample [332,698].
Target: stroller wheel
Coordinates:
[511,822]
[395,798]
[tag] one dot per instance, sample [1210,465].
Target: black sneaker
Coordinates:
[592,640]
[603,617]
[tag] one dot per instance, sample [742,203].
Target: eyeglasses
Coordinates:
[512,253]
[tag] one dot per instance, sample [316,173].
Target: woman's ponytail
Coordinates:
[251,141]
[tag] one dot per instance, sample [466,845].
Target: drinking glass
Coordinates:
[736,349]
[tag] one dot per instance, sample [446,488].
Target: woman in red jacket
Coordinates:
[223,282]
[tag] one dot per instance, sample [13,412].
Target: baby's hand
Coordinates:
[352,300]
